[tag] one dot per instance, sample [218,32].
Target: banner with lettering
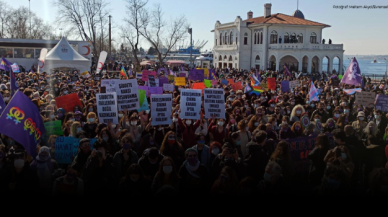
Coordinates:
[214,103]
[161,109]
[190,104]
[107,108]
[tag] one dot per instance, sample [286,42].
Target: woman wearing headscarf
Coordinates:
[44,166]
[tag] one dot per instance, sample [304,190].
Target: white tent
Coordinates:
[64,55]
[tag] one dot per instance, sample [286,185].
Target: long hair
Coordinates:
[73,129]
[293,112]
[322,142]
[282,151]
[300,131]
[177,145]
[375,130]
[174,174]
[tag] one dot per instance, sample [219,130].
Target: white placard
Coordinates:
[214,103]
[107,108]
[294,83]
[168,87]
[161,109]
[190,104]
[109,84]
[127,94]
[156,82]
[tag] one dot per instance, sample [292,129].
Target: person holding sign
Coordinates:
[188,132]
[217,131]
[124,158]
[172,148]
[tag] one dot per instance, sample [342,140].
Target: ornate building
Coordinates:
[272,40]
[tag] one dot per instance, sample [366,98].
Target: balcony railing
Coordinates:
[226,47]
[296,46]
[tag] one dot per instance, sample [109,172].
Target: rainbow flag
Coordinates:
[123,73]
[256,90]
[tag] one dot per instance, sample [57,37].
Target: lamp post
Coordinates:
[386,66]
[110,41]
[191,44]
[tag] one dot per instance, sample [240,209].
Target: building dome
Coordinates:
[298,14]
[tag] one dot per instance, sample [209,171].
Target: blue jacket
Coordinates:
[205,156]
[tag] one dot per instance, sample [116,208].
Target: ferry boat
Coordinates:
[205,60]
[374,61]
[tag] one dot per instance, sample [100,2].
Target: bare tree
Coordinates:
[163,37]
[136,20]
[85,16]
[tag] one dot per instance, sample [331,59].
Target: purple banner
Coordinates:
[196,74]
[163,80]
[182,74]
[382,102]
[156,90]
[285,86]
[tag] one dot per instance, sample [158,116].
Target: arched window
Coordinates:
[300,38]
[246,38]
[226,38]
[286,38]
[220,38]
[293,38]
[230,58]
[274,37]
[258,38]
[225,58]
[261,37]
[255,38]
[231,38]
[220,58]
[313,38]
[257,59]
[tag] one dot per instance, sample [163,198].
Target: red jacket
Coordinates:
[188,133]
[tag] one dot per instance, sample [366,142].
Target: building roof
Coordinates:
[284,19]
[298,13]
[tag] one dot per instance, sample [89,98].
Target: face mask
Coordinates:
[298,112]
[174,119]
[267,177]
[19,163]
[133,123]
[91,120]
[90,109]
[255,105]
[232,121]
[292,103]
[238,143]
[105,138]
[343,156]
[284,122]
[346,111]
[316,120]
[215,151]
[6,98]
[361,118]
[79,129]
[127,123]
[377,116]
[229,105]
[188,122]
[192,161]
[246,106]
[126,146]
[65,92]
[77,118]
[297,128]
[121,115]
[52,116]
[272,105]
[328,107]
[167,169]
[220,123]
[336,115]
[288,112]
[230,99]
[201,142]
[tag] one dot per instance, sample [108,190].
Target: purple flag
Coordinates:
[14,83]
[5,64]
[22,122]
[2,104]
[352,74]
[286,72]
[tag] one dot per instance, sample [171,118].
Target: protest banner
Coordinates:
[68,102]
[143,101]
[214,103]
[294,83]
[171,78]
[382,102]
[365,98]
[190,104]
[151,81]
[109,84]
[161,109]
[196,75]
[199,86]
[264,86]
[144,76]
[271,83]
[85,74]
[180,81]
[139,75]
[127,94]
[163,80]
[285,86]
[168,87]
[182,74]
[224,82]
[214,82]
[64,150]
[146,89]
[230,81]
[107,107]
[205,72]
[53,128]
[156,90]
[208,83]
[237,86]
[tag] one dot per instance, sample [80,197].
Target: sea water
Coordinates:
[367,67]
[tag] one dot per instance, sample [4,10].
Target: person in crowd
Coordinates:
[69,185]
[75,128]
[226,184]
[282,156]
[297,129]
[167,175]
[172,148]
[228,157]
[91,125]
[334,183]
[360,124]
[125,157]
[204,154]
[149,162]
[84,151]
[194,175]
[316,156]
[273,183]
[378,183]
[134,184]
[188,129]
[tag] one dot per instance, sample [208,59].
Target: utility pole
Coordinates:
[110,41]
[191,45]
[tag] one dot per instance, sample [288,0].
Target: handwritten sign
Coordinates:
[381,102]
[161,109]
[68,102]
[53,128]
[237,86]
[365,98]
[163,80]
[151,81]
[294,83]
[196,75]
[147,73]
[168,87]
[156,90]
[64,150]
[109,84]
[127,94]
[190,104]
[214,103]
[107,108]
[271,83]
[180,81]
[285,86]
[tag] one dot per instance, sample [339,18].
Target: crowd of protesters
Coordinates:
[235,156]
